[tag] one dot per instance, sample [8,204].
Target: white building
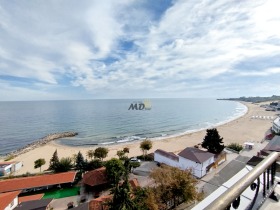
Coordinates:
[197,160]
[167,158]
[276,125]
[7,168]
[9,200]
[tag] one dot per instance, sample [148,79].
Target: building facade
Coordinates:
[276,125]
[198,161]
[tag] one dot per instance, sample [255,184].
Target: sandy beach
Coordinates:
[240,130]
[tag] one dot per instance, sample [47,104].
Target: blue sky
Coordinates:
[70,49]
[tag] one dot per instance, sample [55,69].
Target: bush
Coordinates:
[235,146]
[10,157]
[146,158]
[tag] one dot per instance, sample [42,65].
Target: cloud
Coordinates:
[137,48]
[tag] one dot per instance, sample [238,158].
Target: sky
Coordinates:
[92,49]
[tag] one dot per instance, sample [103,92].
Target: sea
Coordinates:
[110,121]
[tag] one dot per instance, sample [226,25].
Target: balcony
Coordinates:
[248,189]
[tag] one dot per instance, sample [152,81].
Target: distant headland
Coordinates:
[256,99]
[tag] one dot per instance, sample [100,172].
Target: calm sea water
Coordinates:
[108,121]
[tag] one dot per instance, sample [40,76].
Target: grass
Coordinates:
[235,146]
[62,193]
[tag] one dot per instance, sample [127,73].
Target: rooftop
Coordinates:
[273,145]
[97,203]
[134,183]
[4,164]
[7,198]
[196,155]
[95,177]
[36,181]
[169,155]
[34,205]
[30,198]
[277,121]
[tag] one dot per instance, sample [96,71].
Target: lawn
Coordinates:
[62,193]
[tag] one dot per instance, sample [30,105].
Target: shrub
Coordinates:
[235,146]
[10,157]
[146,158]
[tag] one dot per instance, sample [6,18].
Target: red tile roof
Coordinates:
[195,154]
[169,155]
[134,183]
[7,198]
[30,198]
[36,181]
[95,177]
[98,203]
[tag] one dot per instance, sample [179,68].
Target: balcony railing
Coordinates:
[260,182]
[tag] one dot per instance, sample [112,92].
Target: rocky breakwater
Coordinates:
[41,142]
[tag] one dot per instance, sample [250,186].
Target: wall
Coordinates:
[17,166]
[276,125]
[14,204]
[162,159]
[6,170]
[198,169]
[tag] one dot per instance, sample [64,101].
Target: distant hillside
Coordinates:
[256,99]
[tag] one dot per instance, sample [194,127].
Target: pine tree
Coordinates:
[54,161]
[80,162]
[213,142]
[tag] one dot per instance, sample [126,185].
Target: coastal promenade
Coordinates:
[241,130]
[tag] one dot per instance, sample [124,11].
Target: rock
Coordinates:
[42,141]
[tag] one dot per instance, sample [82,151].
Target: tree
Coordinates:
[80,162]
[64,165]
[122,198]
[122,194]
[38,163]
[114,170]
[122,153]
[93,164]
[90,154]
[145,199]
[54,161]
[173,184]
[145,146]
[101,152]
[126,150]
[74,157]
[213,142]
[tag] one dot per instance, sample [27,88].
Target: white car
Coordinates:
[134,159]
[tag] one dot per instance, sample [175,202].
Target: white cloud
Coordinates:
[111,46]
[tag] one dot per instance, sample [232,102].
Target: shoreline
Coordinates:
[50,138]
[154,139]
[55,136]
[161,138]
[40,142]
[239,130]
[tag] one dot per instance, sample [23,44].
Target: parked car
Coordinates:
[134,159]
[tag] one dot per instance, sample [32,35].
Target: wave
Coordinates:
[208,125]
[160,135]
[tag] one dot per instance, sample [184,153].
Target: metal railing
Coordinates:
[233,193]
